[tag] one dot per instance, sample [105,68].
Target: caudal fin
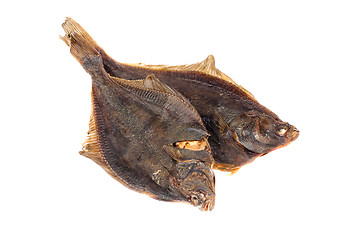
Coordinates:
[82,46]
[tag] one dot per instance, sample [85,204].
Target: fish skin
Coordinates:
[130,127]
[220,102]
[213,98]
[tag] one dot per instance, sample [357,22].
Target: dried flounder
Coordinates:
[240,128]
[145,134]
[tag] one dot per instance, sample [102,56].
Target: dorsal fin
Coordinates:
[91,147]
[206,66]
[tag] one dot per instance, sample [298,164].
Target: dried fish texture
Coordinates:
[240,128]
[145,134]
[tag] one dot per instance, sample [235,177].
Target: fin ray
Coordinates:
[206,66]
[91,147]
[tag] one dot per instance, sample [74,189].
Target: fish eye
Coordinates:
[281,131]
[194,199]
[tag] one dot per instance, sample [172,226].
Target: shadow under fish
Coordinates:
[144,133]
[240,128]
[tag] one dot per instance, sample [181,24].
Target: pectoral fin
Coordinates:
[152,82]
[219,126]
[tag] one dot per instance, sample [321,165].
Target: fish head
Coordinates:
[194,181]
[262,133]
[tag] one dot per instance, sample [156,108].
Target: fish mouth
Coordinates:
[207,205]
[292,134]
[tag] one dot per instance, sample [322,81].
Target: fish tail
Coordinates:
[82,47]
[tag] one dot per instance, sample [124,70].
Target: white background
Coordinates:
[299,58]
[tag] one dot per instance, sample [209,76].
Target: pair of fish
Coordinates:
[160,129]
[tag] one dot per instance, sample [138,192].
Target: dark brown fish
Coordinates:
[240,128]
[145,134]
